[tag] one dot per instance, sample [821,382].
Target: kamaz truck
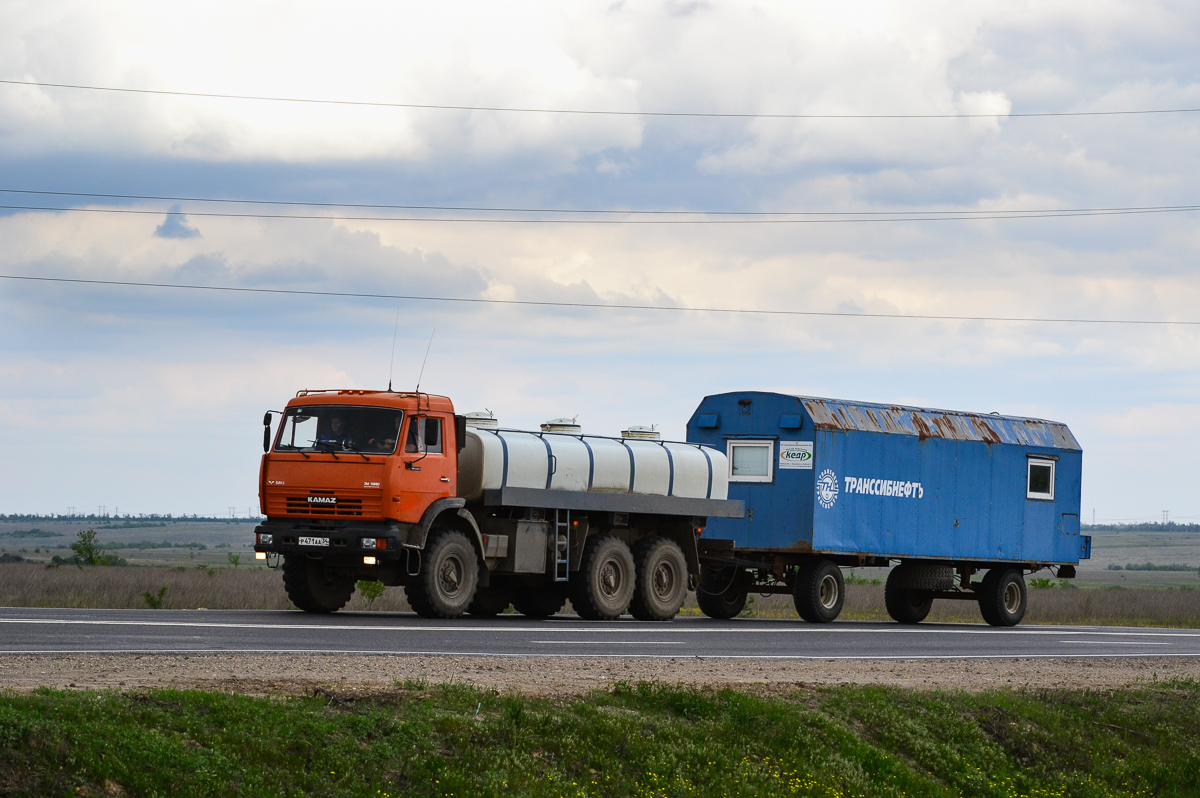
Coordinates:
[469,517]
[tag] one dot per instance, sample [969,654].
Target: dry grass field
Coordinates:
[32,585]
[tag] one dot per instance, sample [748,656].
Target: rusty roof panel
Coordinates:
[949,424]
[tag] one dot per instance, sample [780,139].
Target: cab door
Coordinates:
[426,469]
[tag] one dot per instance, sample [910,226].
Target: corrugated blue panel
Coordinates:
[898,481]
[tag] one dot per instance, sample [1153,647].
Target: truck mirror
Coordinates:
[266,439]
[460,432]
[267,419]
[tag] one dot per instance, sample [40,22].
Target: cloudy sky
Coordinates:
[150,400]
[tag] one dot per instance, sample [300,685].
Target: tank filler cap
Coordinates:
[482,419]
[642,433]
[566,425]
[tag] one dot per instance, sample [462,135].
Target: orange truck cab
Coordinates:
[390,487]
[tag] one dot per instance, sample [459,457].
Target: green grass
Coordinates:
[638,741]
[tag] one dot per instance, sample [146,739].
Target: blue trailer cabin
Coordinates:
[947,493]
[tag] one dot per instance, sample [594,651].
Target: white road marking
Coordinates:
[396,654]
[616,628]
[612,642]
[1114,642]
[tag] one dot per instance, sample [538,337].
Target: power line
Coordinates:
[966,213]
[588,305]
[588,112]
[967,216]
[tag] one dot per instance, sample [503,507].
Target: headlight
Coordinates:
[265,540]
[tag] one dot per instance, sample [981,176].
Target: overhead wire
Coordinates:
[640,221]
[591,112]
[965,213]
[588,305]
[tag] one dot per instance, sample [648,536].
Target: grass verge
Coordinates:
[638,740]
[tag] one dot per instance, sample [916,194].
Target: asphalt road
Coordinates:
[30,631]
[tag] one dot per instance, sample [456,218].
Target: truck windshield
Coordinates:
[339,428]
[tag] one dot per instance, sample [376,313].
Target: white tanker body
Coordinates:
[611,523]
[495,459]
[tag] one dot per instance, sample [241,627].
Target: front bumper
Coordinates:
[339,543]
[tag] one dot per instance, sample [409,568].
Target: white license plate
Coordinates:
[314,541]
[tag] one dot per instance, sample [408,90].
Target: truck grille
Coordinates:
[326,504]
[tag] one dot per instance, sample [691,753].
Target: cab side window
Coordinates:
[424,435]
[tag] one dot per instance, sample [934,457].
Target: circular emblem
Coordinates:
[827,488]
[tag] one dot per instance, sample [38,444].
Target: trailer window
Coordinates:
[750,461]
[1040,484]
[339,428]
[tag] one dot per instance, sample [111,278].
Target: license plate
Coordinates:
[314,541]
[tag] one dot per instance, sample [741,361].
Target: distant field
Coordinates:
[40,540]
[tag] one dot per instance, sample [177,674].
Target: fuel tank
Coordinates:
[560,457]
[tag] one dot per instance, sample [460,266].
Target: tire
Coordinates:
[918,575]
[718,597]
[905,605]
[449,575]
[819,591]
[489,602]
[1003,597]
[538,603]
[605,582]
[660,579]
[312,587]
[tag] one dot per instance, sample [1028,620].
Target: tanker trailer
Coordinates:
[469,517]
[944,495]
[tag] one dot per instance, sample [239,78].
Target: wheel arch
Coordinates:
[450,514]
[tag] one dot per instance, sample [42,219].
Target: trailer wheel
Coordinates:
[313,587]
[819,591]
[1003,597]
[718,597]
[660,579]
[905,604]
[489,602]
[449,574]
[536,603]
[605,582]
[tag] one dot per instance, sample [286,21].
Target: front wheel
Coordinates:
[819,591]
[314,587]
[661,579]
[1003,597]
[449,575]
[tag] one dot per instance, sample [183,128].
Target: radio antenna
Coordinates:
[422,374]
[392,362]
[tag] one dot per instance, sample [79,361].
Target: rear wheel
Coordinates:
[718,597]
[449,575]
[489,602]
[660,584]
[314,587]
[1003,597]
[535,603]
[819,591]
[905,604]
[605,582]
